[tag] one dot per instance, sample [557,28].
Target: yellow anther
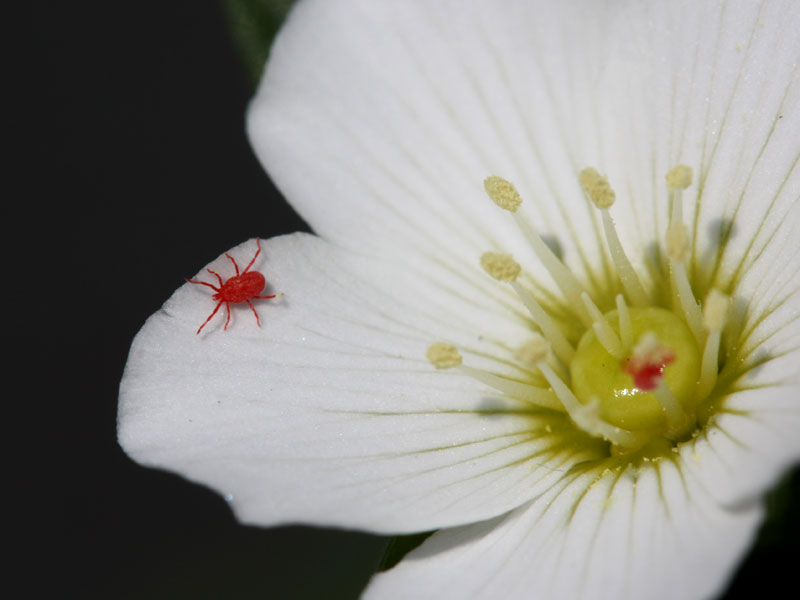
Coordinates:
[532,352]
[677,242]
[503,192]
[597,188]
[500,266]
[679,178]
[443,356]
[715,310]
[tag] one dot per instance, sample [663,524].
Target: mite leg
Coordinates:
[228,320]
[213,287]
[250,264]
[235,266]
[215,274]
[253,308]
[211,316]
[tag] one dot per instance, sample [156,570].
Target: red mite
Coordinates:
[242,287]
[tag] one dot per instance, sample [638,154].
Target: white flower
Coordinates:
[380,121]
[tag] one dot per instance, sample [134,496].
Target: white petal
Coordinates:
[749,180]
[329,412]
[746,451]
[654,535]
[396,111]
[754,438]
[393,113]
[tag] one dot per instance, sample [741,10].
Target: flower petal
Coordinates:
[329,413]
[469,91]
[754,438]
[534,92]
[593,535]
[749,178]
[748,449]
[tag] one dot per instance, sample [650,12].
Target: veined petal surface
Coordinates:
[629,534]
[379,120]
[329,412]
[395,111]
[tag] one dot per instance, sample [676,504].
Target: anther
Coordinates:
[597,187]
[714,313]
[504,268]
[505,195]
[601,194]
[446,356]
[678,179]
[532,352]
[500,266]
[443,356]
[502,192]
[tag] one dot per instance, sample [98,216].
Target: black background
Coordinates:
[131,170]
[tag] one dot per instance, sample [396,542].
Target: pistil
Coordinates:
[647,364]
[586,416]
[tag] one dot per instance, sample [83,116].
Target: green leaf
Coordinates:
[253,25]
[399,546]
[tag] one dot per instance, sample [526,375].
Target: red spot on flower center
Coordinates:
[647,369]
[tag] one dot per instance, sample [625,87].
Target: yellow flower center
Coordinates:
[626,391]
[635,376]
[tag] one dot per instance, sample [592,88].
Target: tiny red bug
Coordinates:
[242,287]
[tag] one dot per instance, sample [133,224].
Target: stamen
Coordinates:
[597,187]
[605,334]
[677,419]
[586,416]
[678,179]
[502,192]
[446,356]
[677,242]
[714,314]
[561,347]
[625,327]
[504,268]
[602,196]
[505,195]
[443,356]
[677,250]
[527,354]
